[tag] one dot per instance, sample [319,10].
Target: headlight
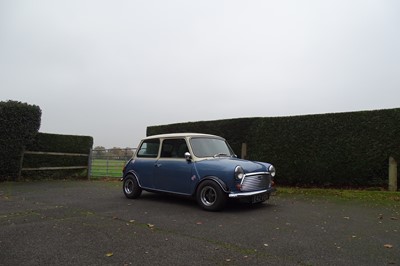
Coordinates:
[271,170]
[239,173]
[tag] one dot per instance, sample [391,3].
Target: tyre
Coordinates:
[131,187]
[210,196]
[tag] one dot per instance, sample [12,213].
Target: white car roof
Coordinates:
[182,135]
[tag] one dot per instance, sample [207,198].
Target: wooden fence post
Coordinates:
[392,174]
[21,163]
[244,151]
[89,170]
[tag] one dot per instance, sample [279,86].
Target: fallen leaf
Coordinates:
[150,225]
[131,221]
[199,223]
[346,217]
[388,246]
[110,254]
[266,245]
[394,218]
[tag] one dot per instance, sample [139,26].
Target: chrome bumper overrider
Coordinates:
[251,193]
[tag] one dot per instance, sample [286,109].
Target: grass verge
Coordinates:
[373,197]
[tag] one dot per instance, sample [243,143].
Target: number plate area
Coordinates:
[259,198]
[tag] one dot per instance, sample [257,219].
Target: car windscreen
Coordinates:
[210,147]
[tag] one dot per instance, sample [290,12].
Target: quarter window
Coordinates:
[149,148]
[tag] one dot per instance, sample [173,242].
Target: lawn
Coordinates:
[344,195]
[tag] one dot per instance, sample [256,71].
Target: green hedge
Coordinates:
[45,142]
[342,149]
[234,130]
[345,149]
[61,143]
[19,123]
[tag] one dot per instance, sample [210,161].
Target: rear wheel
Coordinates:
[210,196]
[131,187]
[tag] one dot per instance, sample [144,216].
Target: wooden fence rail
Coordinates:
[51,167]
[56,153]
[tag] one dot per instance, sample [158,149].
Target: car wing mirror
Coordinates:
[188,157]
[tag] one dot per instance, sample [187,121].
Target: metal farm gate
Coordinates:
[108,162]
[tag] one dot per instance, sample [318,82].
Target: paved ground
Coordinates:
[92,223]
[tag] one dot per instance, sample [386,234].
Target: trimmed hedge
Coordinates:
[234,130]
[341,149]
[19,123]
[345,149]
[45,142]
[61,143]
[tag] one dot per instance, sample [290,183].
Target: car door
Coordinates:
[145,162]
[173,173]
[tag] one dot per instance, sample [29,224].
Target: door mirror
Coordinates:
[188,157]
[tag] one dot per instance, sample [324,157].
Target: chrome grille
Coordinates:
[256,182]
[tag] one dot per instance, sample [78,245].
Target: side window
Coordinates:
[149,148]
[174,148]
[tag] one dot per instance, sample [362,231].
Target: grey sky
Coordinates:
[110,68]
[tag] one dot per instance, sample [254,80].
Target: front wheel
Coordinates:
[210,196]
[131,187]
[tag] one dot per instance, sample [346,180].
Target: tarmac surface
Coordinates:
[92,223]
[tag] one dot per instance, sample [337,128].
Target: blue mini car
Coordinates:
[197,165]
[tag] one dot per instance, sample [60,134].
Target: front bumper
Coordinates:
[251,193]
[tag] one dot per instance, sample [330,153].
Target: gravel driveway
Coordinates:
[92,223]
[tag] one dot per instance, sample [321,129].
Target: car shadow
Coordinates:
[233,205]
[170,199]
[239,206]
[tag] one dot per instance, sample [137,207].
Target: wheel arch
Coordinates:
[134,175]
[220,183]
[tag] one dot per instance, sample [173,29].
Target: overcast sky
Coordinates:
[109,69]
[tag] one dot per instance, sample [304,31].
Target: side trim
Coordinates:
[164,191]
